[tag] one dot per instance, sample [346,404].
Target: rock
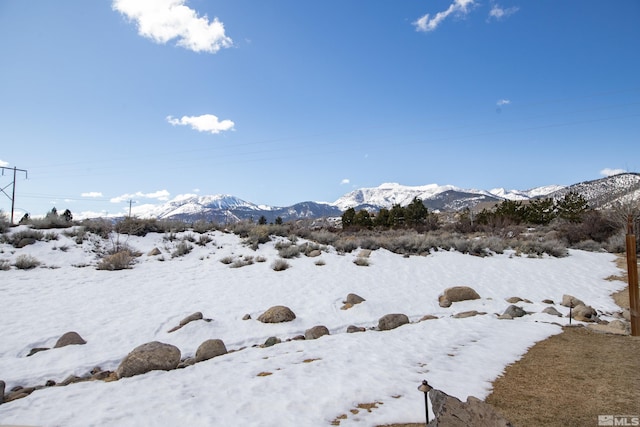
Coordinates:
[365,253]
[514,311]
[428,317]
[353,299]
[314,253]
[271,341]
[189,361]
[547,301]
[513,300]
[2,387]
[154,252]
[246,317]
[101,375]
[569,300]
[392,321]
[277,314]
[210,349]
[72,379]
[316,332]
[465,314]
[149,357]
[455,294]
[626,315]
[50,383]
[505,317]
[552,311]
[451,412]
[352,329]
[70,338]
[618,324]
[37,350]
[15,395]
[584,313]
[190,318]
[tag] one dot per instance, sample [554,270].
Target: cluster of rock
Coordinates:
[161,356]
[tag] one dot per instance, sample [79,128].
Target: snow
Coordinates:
[311,383]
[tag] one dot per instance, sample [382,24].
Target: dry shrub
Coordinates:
[227,260]
[361,261]
[117,261]
[182,248]
[5,265]
[280,265]
[242,262]
[26,262]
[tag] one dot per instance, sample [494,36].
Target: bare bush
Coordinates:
[181,249]
[242,262]
[26,262]
[5,265]
[203,240]
[227,260]
[361,261]
[280,265]
[117,261]
[287,250]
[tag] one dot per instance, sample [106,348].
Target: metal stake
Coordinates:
[426,388]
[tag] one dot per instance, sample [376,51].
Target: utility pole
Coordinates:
[13,190]
[632,273]
[130,202]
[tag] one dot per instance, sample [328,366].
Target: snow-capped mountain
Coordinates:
[224,208]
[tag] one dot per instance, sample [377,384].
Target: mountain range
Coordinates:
[600,193]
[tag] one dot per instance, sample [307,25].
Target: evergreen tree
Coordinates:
[572,207]
[540,211]
[416,212]
[363,219]
[396,216]
[278,220]
[348,217]
[382,218]
[262,220]
[67,216]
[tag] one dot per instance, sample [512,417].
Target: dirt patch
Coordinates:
[570,379]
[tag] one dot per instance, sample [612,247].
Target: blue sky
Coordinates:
[283,101]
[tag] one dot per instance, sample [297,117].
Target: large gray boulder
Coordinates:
[392,321]
[315,332]
[277,314]
[584,313]
[151,356]
[571,301]
[353,299]
[70,338]
[455,294]
[514,311]
[451,412]
[210,349]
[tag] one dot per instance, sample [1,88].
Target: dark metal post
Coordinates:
[570,311]
[426,388]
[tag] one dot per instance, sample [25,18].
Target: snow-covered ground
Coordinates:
[311,383]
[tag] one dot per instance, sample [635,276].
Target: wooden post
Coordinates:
[632,273]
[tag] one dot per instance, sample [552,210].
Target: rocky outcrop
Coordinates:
[277,314]
[451,412]
[210,349]
[149,357]
[316,332]
[456,294]
[392,321]
[70,338]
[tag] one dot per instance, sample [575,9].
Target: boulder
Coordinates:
[451,412]
[277,314]
[353,299]
[37,350]
[154,252]
[70,338]
[392,321]
[513,300]
[316,332]
[149,357]
[271,341]
[428,317]
[552,311]
[210,349]
[466,314]
[514,311]
[569,300]
[584,313]
[190,318]
[246,317]
[547,301]
[455,294]
[352,329]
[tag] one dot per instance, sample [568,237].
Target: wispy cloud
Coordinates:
[345,181]
[498,13]
[459,7]
[159,195]
[164,20]
[3,163]
[610,172]
[92,194]
[205,123]
[502,102]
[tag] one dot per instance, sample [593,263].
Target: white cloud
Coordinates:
[160,195]
[502,102]
[458,7]
[164,20]
[610,172]
[499,13]
[3,163]
[92,194]
[345,181]
[205,123]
